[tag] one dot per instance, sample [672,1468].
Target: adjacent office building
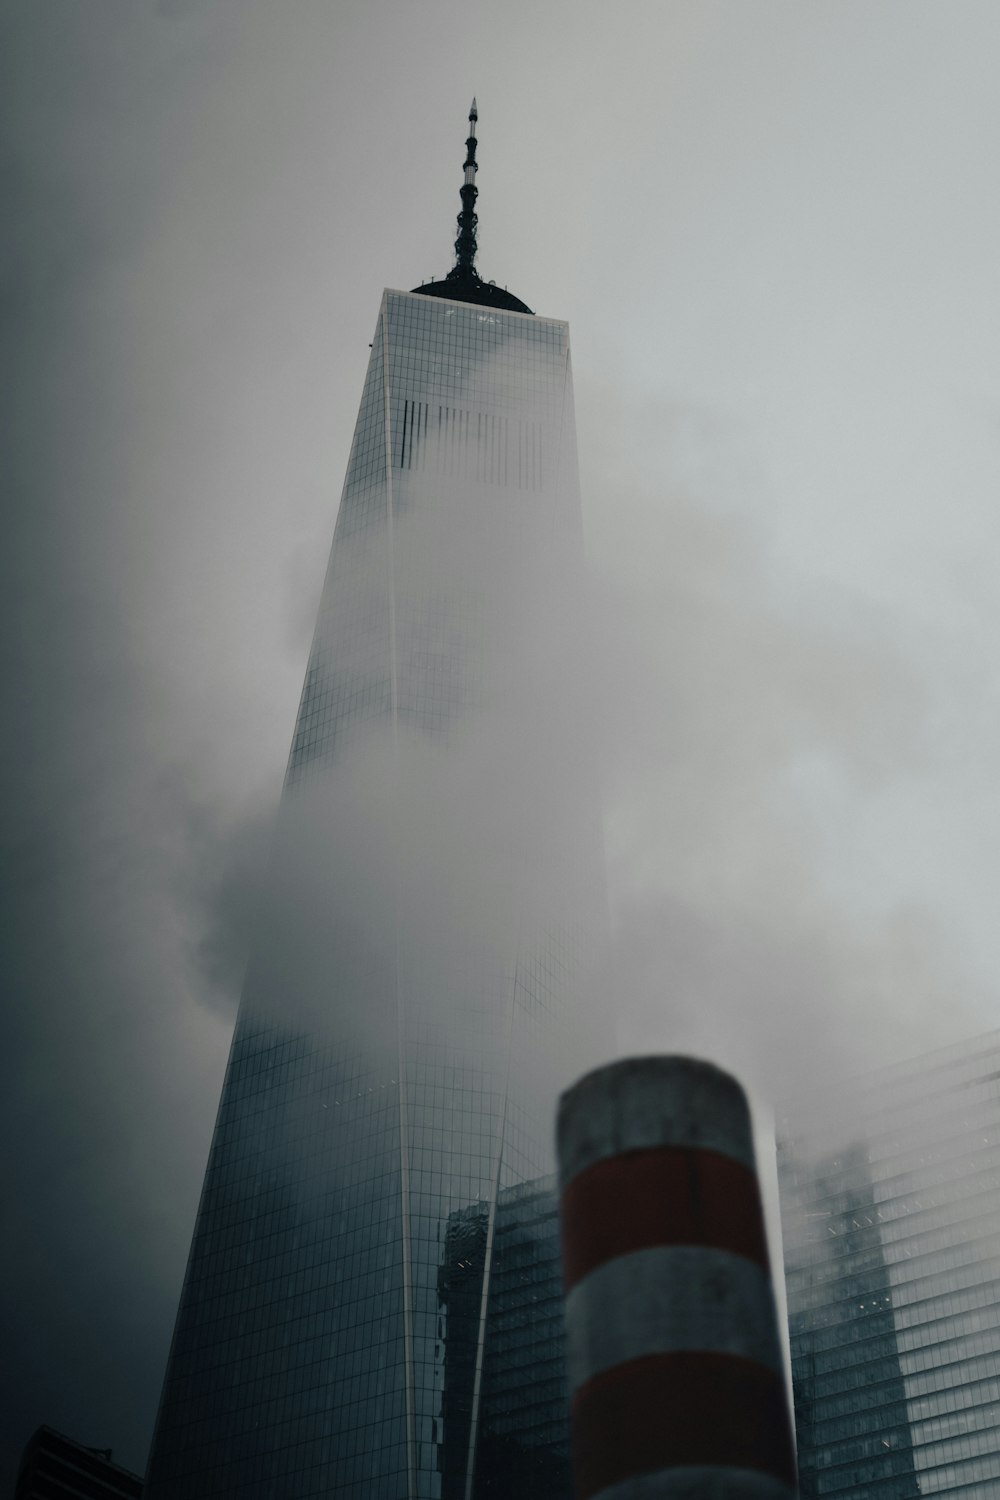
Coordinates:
[54,1467]
[890,1210]
[522,1441]
[415,1000]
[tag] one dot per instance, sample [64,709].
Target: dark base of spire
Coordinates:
[465,286]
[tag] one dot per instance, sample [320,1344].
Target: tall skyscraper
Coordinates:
[414,1002]
[890,1210]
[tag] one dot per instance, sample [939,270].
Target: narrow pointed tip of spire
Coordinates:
[473,111]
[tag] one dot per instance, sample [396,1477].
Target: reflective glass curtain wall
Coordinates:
[403,1029]
[524,1446]
[890,1210]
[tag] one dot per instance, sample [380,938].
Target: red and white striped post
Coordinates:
[675,1365]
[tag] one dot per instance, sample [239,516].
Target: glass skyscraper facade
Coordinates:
[414,1003]
[524,1447]
[890,1210]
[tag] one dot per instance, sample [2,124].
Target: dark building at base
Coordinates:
[522,1446]
[54,1467]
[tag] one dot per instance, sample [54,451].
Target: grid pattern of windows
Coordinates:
[890,1206]
[309,1356]
[523,1447]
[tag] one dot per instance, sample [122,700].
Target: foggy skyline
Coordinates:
[773,232]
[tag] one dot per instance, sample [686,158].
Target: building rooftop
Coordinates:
[53,1465]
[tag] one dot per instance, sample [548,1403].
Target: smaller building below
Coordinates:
[522,1444]
[53,1466]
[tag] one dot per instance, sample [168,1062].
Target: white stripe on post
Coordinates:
[654,1101]
[669,1298]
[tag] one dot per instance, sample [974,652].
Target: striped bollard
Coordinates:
[675,1365]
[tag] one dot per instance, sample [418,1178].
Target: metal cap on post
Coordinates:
[675,1365]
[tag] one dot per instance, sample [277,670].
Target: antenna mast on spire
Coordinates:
[465,245]
[463,282]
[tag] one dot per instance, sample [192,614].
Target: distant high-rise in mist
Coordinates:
[890,1211]
[414,1000]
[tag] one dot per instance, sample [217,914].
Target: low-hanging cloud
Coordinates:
[696,697]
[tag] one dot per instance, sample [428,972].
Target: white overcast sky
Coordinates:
[774,228]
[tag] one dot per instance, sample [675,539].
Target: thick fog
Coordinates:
[771,229]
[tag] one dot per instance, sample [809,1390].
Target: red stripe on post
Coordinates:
[666,1411]
[669,1195]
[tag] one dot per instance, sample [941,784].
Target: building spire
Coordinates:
[465,245]
[463,282]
